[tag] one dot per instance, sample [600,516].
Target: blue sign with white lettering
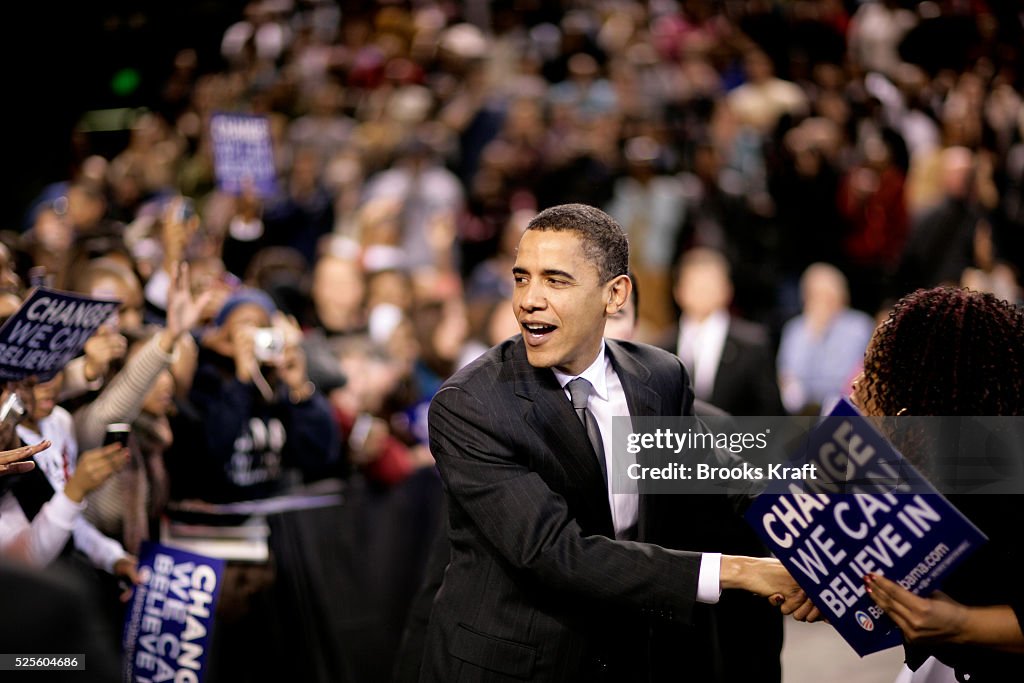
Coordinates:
[48,330]
[872,513]
[243,154]
[169,618]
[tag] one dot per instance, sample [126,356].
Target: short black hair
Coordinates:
[604,243]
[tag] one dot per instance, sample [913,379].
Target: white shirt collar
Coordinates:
[596,374]
[715,321]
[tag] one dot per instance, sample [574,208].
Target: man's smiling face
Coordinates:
[560,302]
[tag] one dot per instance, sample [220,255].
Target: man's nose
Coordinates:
[532,297]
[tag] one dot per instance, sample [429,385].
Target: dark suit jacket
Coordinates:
[535,588]
[740,638]
[745,383]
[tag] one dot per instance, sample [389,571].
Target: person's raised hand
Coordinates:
[95,466]
[178,223]
[17,461]
[183,309]
[101,349]
[291,365]
[243,351]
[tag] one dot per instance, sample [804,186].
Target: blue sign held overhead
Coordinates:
[243,154]
[169,618]
[48,330]
[875,513]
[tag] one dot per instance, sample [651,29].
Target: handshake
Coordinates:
[766,576]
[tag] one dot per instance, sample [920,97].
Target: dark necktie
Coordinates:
[579,390]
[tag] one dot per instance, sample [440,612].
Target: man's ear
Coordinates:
[619,289]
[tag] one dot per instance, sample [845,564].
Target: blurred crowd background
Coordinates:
[785,170]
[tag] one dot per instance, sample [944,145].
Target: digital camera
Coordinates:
[268,344]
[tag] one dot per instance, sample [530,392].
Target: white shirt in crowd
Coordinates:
[41,541]
[700,347]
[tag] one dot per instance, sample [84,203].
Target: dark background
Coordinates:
[59,59]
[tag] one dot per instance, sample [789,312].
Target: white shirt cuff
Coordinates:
[709,584]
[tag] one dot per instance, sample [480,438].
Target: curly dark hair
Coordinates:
[604,243]
[947,351]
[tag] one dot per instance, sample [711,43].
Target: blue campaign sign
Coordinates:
[168,621]
[870,511]
[243,153]
[48,330]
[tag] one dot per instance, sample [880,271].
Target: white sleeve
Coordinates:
[122,399]
[101,550]
[75,383]
[40,541]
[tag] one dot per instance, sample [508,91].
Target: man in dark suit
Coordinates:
[731,360]
[549,577]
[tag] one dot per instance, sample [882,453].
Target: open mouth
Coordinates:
[537,332]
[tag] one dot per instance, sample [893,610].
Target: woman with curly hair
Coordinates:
[956,352]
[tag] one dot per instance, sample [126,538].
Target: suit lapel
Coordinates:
[634,376]
[549,413]
[642,401]
[725,375]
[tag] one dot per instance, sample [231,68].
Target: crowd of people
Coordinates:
[784,171]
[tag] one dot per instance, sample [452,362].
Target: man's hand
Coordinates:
[95,467]
[766,576]
[16,461]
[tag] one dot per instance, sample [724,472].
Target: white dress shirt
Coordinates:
[700,347]
[608,400]
[39,542]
